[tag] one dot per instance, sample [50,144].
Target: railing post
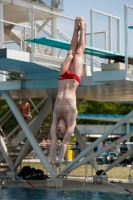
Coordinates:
[126,35]
[1,25]
[32,33]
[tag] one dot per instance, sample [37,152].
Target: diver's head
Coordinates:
[26,100]
[61,128]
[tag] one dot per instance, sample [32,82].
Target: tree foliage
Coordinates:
[93,107]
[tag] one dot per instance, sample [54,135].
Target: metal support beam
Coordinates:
[94,155]
[92,37]
[1,157]
[118,35]
[26,146]
[32,34]
[43,25]
[22,154]
[6,153]
[35,123]
[54,28]
[34,105]
[110,33]
[38,31]
[84,146]
[3,77]
[97,142]
[128,153]
[128,131]
[1,24]
[126,35]
[16,128]
[28,132]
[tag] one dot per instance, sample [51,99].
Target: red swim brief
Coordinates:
[69,75]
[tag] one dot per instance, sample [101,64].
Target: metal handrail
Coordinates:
[12,23]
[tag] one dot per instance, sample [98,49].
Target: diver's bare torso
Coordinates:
[65,104]
[24,108]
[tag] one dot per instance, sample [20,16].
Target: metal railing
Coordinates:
[126,8]
[109,39]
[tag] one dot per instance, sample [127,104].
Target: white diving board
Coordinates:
[88,50]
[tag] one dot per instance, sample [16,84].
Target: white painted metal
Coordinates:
[89,90]
[54,29]
[34,105]
[12,23]
[34,124]
[109,28]
[39,30]
[118,35]
[126,35]
[128,131]
[54,34]
[106,14]
[16,11]
[1,24]
[125,155]
[87,150]
[109,33]
[24,43]
[54,14]
[83,146]
[91,38]
[5,153]
[2,77]
[85,56]
[1,157]
[22,154]
[17,55]
[32,35]
[96,154]
[16,128]
[28,133]
[43,25]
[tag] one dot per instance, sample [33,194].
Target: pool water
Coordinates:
[51,194]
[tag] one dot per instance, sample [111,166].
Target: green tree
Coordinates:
[93,107]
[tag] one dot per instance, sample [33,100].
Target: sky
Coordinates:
[73,8]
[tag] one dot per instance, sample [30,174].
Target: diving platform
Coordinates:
[42,81]
[88,50]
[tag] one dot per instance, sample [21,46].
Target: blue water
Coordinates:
[51,194]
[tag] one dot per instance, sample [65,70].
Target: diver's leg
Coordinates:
[73,47]
[77,66]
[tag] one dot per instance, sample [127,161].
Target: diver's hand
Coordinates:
[52,162]
[29,116]
[57,164]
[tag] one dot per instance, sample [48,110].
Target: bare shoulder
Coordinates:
[19,103]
